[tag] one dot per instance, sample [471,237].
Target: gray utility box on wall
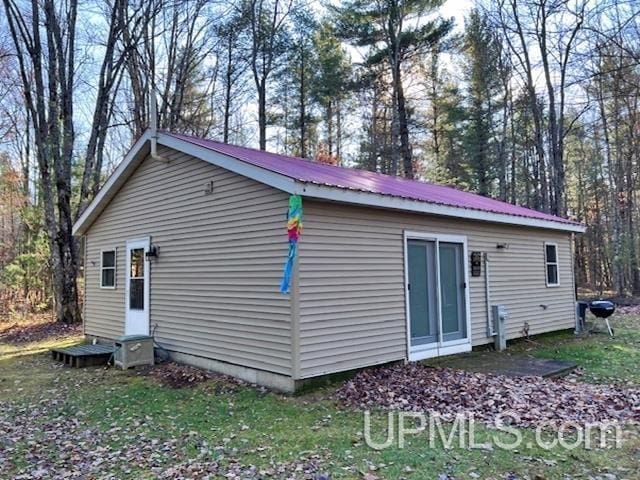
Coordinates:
[499,314]
[133,350]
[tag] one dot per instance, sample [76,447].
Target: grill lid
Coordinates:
[602,308]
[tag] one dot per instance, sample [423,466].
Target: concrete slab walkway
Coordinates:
[505,364]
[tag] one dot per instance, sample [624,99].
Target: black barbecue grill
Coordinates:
[603,309]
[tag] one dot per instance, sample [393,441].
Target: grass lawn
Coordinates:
[113,424]
[603,359]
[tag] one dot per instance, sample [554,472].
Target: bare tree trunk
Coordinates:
[542,202]
[556,110]
[502,145]
[433,79]
[329,122]
[53,129]
[555,157]
[400,117]
[303,105]
[403,126]
[631,187]
[266,23]
[107,80]
[339,130]
[617,275]
[262,114]
[514,172]
[227,90]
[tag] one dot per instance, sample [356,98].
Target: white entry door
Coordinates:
[137,288]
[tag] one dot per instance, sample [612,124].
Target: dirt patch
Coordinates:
[528,401]
[174,375]
[37,329]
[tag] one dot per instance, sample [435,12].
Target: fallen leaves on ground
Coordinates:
[174,375]
[529,401]
[47,436]
[304,469]
[37,330]
[628,310]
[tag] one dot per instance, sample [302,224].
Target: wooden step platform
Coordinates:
[83,355]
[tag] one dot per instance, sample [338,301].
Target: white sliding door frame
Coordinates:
[439,348]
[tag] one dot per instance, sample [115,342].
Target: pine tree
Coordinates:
[394,31]
[293,97]
[444,120]
[481,47]
[331,85]
[267,24]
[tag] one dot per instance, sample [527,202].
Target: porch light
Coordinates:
[152,253]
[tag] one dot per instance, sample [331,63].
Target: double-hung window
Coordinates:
[551,264]
[108,268]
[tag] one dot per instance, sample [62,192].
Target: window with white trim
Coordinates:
[551,264]
[108,268]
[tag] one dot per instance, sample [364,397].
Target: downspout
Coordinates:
[487,291]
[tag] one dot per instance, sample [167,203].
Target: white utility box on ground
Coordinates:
[133,350]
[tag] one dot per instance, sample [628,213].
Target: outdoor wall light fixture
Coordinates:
[153,253]
[502,246]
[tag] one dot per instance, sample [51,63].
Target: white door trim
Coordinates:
[137,316]
[420,352]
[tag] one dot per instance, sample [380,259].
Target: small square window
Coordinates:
[108,269]
[551,264]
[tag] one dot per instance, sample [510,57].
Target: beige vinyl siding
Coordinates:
[351,283]
[214,288]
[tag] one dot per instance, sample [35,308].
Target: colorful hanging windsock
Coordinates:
[294,230]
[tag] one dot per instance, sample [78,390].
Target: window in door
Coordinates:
[452,291]
[423,301]
[136,279]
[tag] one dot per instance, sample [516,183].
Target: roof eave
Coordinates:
[290,185]
[358,197]
[141,149]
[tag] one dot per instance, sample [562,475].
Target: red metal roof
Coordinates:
[361,180]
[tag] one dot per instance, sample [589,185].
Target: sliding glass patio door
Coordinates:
[436,297]
[452,291]
[422,292]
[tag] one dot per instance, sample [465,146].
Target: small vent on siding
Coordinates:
[208,188]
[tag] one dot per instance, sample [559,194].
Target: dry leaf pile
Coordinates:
[534,401]
[628,310]
[37,331]
[174,375]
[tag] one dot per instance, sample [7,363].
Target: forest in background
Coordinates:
[532,102]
